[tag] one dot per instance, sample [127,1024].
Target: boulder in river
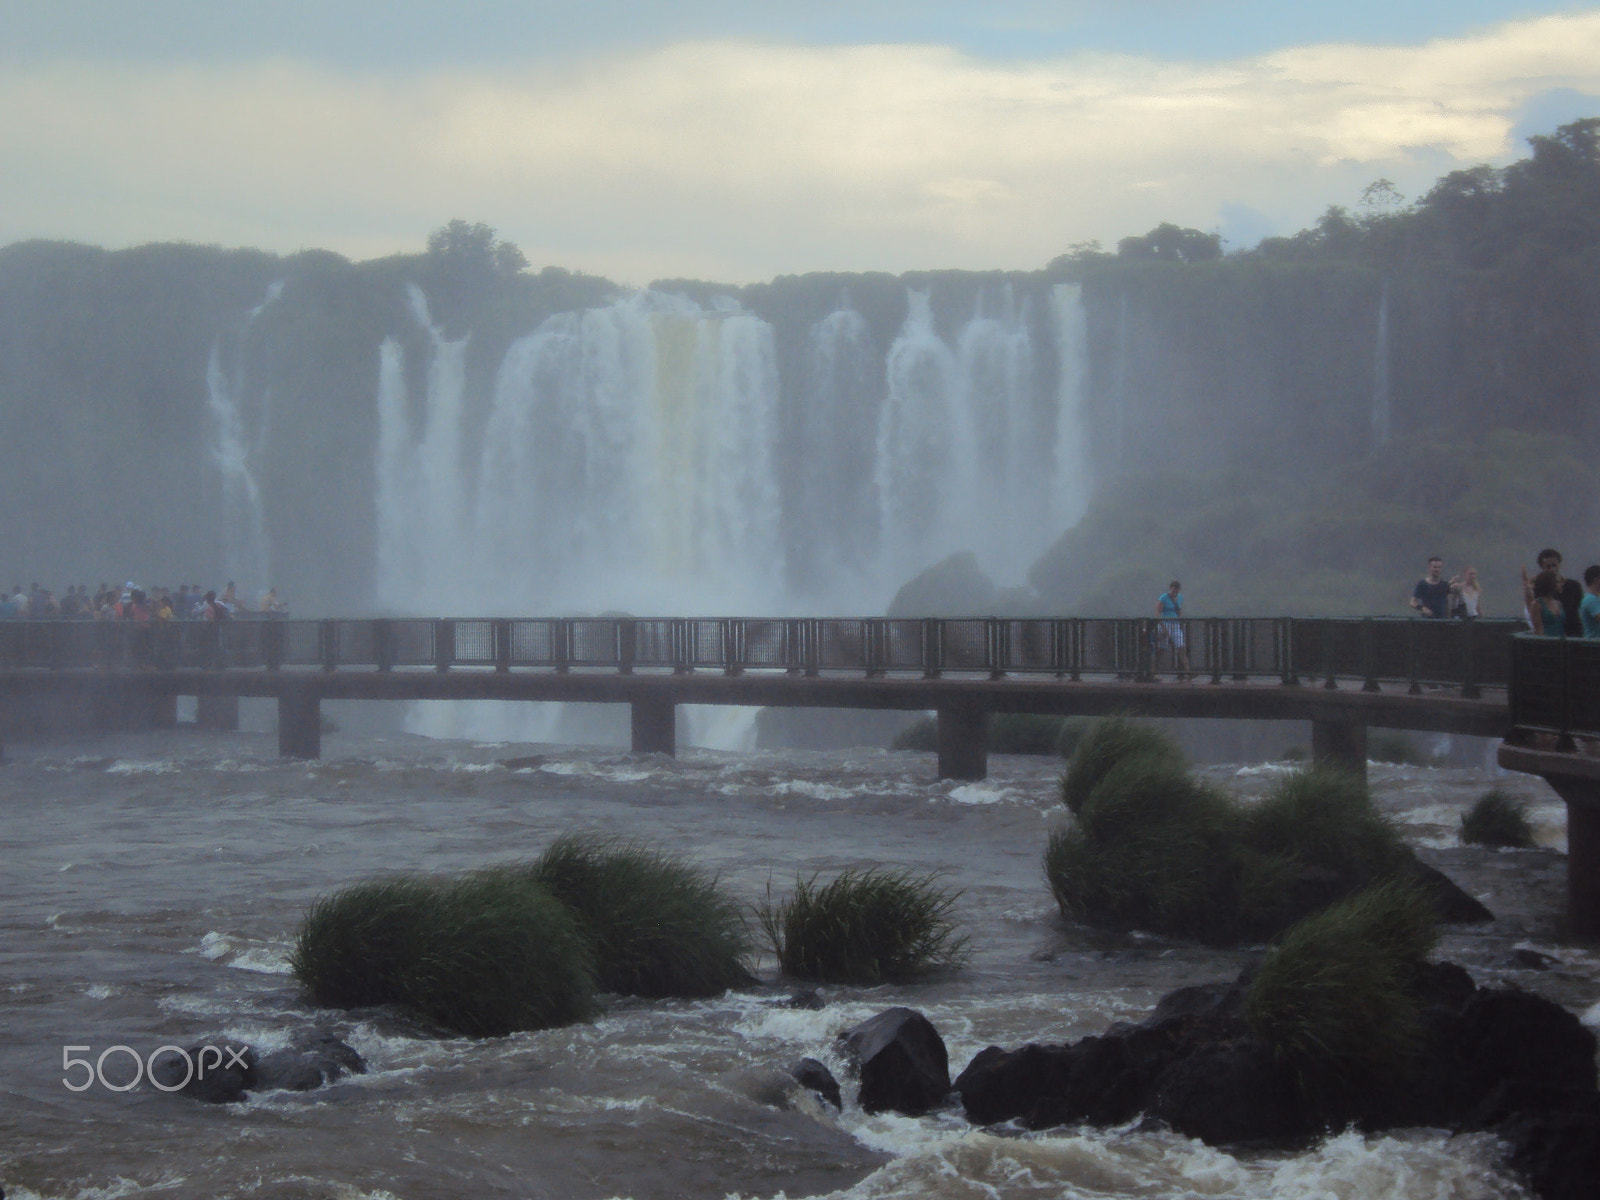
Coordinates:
[904,1067]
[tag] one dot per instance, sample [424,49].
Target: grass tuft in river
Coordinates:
[1335,998]
[865,927]
[659,925]
[1154,848]
[484,955]
[1497,820]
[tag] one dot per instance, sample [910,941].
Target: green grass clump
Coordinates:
[1009,733]
[865,927]
[659,925]
[1398,749]
[920,735]
[482,955]
[1497,820]
[1103,747]
[1334,998]
[1024,733]
[1324,817]
[1154,849]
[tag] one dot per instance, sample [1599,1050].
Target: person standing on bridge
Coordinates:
[1589,610]
[1169,608]
[1431,596]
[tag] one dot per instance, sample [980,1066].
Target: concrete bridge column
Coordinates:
[300,724]
[217,712]
[655,727]
[1341,744]
[1583,852]
[963,742]
[164,712]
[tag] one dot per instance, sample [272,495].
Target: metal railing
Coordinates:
[1371,651]
[1555,687]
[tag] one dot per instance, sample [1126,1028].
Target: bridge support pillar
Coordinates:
[1583,852]
[299,725]
[164,712]
[963,742]
[1341,744]
[217,712]
[655,727]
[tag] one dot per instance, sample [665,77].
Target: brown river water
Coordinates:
[153,884]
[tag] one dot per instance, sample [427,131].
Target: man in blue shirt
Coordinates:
[1431,596]
[1589,610]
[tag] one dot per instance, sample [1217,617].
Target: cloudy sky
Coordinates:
[640,139]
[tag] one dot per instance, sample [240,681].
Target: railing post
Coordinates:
[272,645]
[383,643]
[793,647]
[627,646]
[1214,643]
[997,639]
[502,646]
[1240,633]
[1286,651]
[1414,656]
[1469,661]
[1075,648]
[932,645]
[444,644]
[1332,683]
[813,648]
[328,644]
[561,644]
[1144,669]
[1564,737]
[732,629]
[1369,655]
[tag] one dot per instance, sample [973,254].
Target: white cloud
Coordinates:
[739,161]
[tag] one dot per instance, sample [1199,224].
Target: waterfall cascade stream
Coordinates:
[634,458]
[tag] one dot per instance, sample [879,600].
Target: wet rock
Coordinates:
[224,1072]
[810,999]
[1524,959]
[815,1076]
[1557,1153]
[215,1072]
[307,1065]
[1454,906]
[904,1067]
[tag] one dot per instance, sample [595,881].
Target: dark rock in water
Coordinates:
[218,1072]
[222,1072]
[1492,1059]
[904,1066]
[1525,959]
[306,1065]
[819,1079]
[1453,905]
[811,1000]
[524,763]
[1558,1153]
[1229,1092]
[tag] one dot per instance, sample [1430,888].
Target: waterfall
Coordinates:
[637,457]
[246,550]
[1073,482]
[1380,371]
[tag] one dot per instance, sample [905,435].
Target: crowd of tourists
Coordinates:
[1552,604]
[131,602]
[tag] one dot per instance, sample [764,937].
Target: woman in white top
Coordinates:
[1467,593]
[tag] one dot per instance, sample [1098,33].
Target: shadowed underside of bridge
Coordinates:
[1339,716]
